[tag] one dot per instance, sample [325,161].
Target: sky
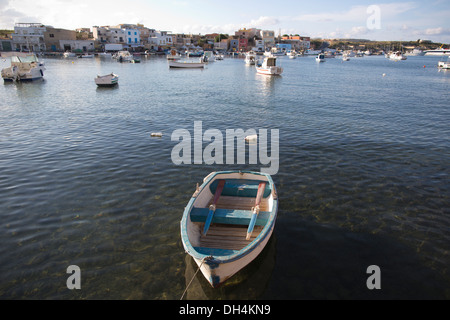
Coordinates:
[362,19]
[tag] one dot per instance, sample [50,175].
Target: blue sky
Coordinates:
[386,20]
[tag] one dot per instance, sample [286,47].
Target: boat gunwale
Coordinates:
[265,232]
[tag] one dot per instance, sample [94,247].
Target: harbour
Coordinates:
[362,179]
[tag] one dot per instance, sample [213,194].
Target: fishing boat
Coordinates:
[292,54]
[396,56]
[86,55]
[320,57]
[269,66]
[174,55]
[109,80]
[345,57]
[24,67]
[228,222]
[186,64]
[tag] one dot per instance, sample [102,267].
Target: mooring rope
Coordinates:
[203,260]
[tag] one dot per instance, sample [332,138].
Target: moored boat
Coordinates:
[269,66]
[444,64]
[186,64]
[250,58]
[228,221]
[320,57]
[24,67]
[109,80]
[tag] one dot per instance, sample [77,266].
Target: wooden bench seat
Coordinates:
[229,216]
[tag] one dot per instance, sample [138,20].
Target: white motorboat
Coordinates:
[250,58]
[228,222]
[86,56]
[320,57]
[269,66]
[122,56]
[444,64]
[292,54]
[345,57]
[24,67]
[396,56]
[438,52]
[173,55]
[109,80]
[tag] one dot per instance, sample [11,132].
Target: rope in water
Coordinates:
[185,290]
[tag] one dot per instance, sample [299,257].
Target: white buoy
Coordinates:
[251,138]
[156,134]
[384,74]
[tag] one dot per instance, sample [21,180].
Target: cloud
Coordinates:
[264,21]
[358,13]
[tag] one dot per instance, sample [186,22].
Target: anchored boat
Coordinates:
[109,80]
[269,66]
[228,222]
[24,67]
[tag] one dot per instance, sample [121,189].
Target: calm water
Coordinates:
[363,178]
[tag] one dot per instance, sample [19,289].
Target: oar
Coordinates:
[212,207]
[261,187]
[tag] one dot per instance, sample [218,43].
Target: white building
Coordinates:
[29,37]
[133,36]
[161,39]
[108,34]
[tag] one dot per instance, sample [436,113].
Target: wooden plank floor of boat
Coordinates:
[228,237]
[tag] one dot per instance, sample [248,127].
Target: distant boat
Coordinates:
[320,57]
[396,56]
[415,52]
[69,54]
[24,67]
[105,54]
[86,56]
[444,64]
[123,56]
[109,80]
[345,57]
[292,54]
[228,222]
[269,66]
[250,58]
[186,64]
[438,52]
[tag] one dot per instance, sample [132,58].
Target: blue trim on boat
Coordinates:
[229,216]
[237,254]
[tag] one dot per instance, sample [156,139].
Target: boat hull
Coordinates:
[110,80]
[224,250]
[185,64]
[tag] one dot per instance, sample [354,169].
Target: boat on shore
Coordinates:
[228,222]
[269,66]
[186,64]
[24,67]
[109,80]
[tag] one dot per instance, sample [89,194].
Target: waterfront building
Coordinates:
[268,36]
[160,40]
[77,45]
[297,42]
[107,34]
[53,36]
[29,37]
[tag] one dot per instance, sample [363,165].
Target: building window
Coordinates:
[51,35]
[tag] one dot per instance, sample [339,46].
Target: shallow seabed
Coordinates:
[363,178]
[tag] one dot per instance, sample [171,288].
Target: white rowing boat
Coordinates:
[228,222]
